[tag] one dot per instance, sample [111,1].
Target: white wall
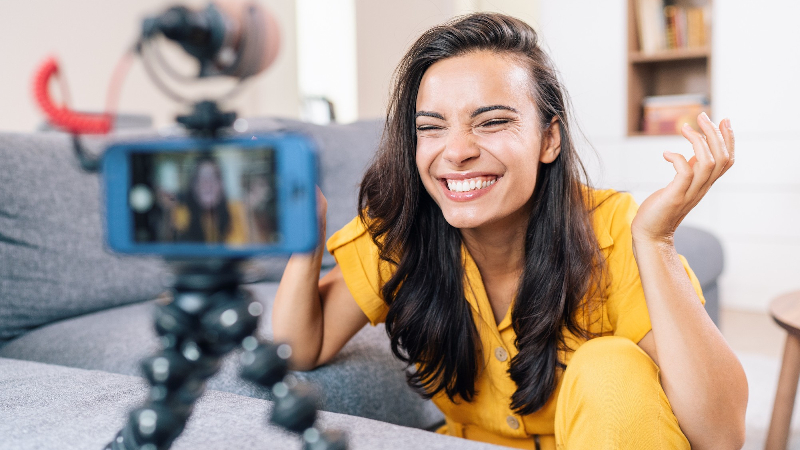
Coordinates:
[385,29]
[755,208]
[89,36]
[527,10]
[326,48]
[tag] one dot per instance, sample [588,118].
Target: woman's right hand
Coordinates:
[315,316]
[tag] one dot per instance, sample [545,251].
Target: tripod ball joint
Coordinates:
[265,364]
[227,324]
[314,439]
[169,368]
[216,321]
[149,428]
[295,407]
[170,320]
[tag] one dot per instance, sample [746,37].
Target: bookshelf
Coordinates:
[672,70]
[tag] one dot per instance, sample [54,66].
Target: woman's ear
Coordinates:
[551,142]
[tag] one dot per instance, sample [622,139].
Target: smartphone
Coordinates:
[215,198]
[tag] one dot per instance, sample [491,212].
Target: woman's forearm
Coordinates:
[703,379]
[297,312]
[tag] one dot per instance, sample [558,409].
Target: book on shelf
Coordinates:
[670,26]
[696,27]
[666,114]
[671,17]
[652,30]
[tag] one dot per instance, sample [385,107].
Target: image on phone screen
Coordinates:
[223,196]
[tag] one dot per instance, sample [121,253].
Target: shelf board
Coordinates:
[669,55]
[643,134]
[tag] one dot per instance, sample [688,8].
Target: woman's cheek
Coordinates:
[425,154]
[493,141]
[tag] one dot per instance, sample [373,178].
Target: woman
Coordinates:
[209,216]
[539,313]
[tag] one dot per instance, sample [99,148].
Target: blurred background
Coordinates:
[345,51]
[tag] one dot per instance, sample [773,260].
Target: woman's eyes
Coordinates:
[495,122]
[489,124]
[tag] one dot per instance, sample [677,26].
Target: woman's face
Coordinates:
[479,139]
[208,187]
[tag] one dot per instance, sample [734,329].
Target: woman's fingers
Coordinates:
[704,165]
[683,175]
[727,135]
[713,155]
[716,144]
[322,203]
[322,212]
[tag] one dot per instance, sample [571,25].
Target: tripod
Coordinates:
[209,316]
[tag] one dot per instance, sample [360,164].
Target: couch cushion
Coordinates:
[363,380]
[47,406]
[53,263]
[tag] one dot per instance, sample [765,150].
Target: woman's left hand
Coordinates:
[662,212]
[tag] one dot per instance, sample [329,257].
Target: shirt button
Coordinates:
[512,422]
[501,354]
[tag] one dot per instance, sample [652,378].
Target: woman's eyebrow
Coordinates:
[428,114]
[484,109]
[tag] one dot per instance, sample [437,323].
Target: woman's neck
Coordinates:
[498,247]
[499,253]
[494,250]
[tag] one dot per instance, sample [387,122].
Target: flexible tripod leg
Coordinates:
[295,406]
[209,316]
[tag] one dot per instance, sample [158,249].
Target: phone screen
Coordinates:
[226,196]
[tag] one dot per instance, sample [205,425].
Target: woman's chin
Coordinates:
[487,220]
[464,221]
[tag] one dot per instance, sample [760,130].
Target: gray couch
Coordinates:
[75,320]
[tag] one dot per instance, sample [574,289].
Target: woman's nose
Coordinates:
[461,148]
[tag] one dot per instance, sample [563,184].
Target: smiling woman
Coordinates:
[517,291]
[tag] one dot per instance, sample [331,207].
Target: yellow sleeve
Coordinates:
[181,217]
[358,258]
[625,303]
[237,235]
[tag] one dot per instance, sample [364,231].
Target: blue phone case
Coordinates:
[296,179]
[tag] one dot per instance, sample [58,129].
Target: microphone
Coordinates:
[236,38]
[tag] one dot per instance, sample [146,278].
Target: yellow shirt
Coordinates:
[489,417]
[237,234]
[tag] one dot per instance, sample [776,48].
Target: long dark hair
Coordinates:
[429,321]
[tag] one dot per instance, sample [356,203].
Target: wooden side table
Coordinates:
[785,310]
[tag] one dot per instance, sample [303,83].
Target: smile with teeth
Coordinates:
[470,184]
